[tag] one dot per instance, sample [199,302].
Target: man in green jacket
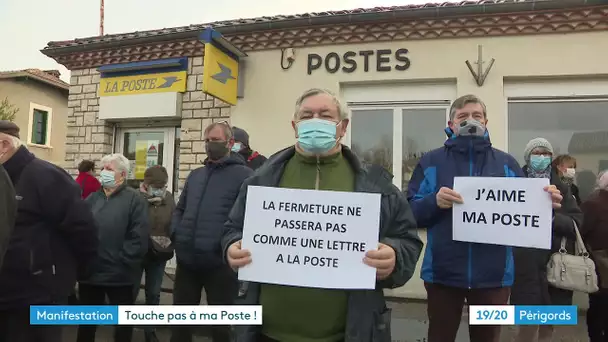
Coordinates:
[318,161]
[8,211]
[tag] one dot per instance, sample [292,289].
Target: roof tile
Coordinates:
[276,18]
[40,75]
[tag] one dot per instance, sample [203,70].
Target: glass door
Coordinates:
[147,147]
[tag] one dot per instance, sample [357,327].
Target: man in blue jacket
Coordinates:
[453,270]
[198,225]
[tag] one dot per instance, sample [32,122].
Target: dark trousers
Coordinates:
[154,271]
[445,306]
[597,317]
[221,287]
[96,295]
[15,326]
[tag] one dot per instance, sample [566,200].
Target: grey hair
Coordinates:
[16,142]
[462,101]
[120,162]
[342,109]
[602,180]
[225,127]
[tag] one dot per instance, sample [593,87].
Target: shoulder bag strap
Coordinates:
[580,248]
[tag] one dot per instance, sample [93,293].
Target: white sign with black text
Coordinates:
[310,238]
[503,211]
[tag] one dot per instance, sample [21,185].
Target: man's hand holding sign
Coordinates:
[503,211]
[382,259]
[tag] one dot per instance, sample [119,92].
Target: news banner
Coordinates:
[252,315]
[146,315]
[523,315]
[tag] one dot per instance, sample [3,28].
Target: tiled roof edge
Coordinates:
[58,83]
[281,22]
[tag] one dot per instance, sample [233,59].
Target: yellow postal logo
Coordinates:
[143,84]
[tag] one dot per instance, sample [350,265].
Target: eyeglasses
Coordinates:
[225,123]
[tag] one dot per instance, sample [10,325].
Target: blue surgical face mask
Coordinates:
[316,136]
[539,162]
[237,147]
[107,179]
[471,127]
[156,192]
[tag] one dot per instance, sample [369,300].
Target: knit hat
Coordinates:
[156,176]
[536,143]
[9,128]
[241,135]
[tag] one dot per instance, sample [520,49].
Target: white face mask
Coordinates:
[570,172]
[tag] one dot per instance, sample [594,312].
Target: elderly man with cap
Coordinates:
[160,249]
[8,210]
[530,286]
[241,146]
[53,241]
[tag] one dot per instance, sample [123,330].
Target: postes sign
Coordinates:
[143,84]
[382,60]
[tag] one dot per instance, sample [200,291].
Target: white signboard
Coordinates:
[310,238]
[503,211]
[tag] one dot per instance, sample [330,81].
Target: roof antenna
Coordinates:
[101,8]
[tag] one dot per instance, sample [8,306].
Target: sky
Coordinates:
[28,25]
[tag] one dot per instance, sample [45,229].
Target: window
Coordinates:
[39,132]
[397,136]
[39,127]
[143,149]
[578,127]
[372,136]
[422,130]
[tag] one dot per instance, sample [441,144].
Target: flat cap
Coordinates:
[9,128]
[156,176]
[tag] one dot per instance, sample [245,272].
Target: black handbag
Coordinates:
[160,250]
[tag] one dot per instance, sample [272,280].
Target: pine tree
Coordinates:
[7,110]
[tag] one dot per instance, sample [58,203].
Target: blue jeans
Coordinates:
[154,271]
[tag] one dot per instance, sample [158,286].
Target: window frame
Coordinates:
[49,125]
[398,109]
[551,91]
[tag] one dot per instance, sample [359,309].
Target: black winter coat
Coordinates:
[368,318]
[202,210]
[55,236]
[8,211]
[530,286]
[122,219]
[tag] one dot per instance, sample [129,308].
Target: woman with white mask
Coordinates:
[121,215]
[565,165]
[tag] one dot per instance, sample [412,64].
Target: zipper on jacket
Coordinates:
[470,260]
[318,177]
